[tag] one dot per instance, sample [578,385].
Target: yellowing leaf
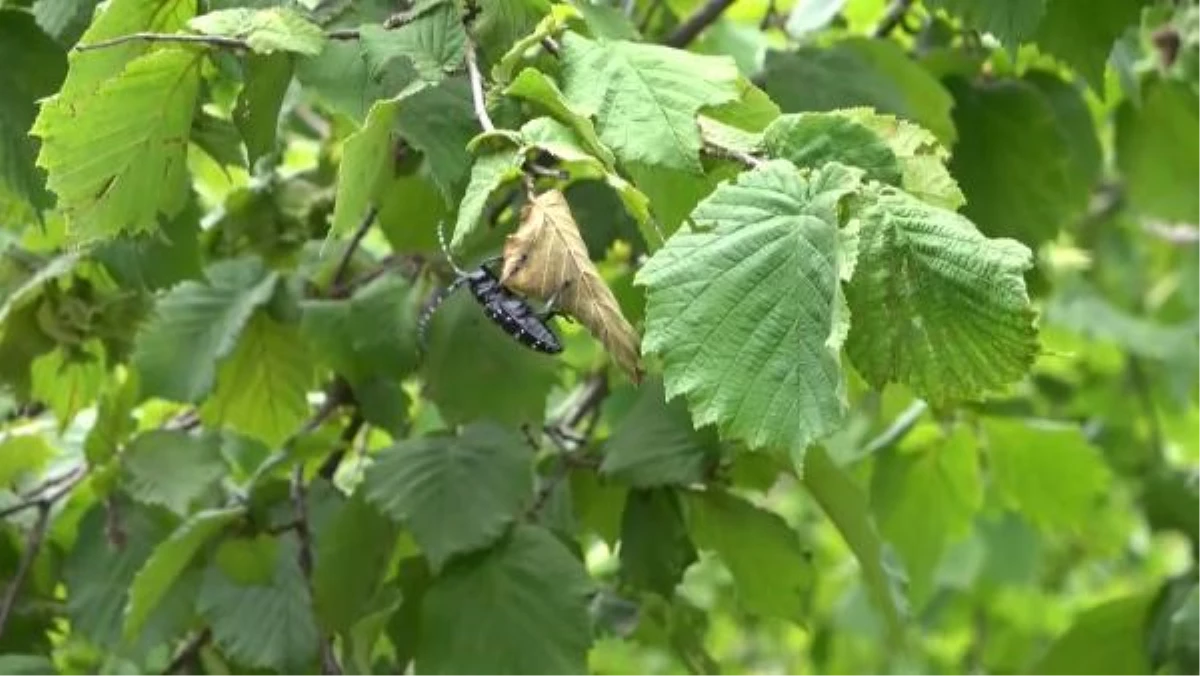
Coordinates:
[546,257]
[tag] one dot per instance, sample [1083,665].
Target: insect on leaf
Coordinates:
[546,256]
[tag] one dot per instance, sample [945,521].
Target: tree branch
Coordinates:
[695,24]
[893,16]
[207,40]
[331,464]
[35,497]
[32,545]
[343,266]
[713,148]
[189,651]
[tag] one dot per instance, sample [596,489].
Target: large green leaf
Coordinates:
[117,159]
[256,600]
[368,158]
[439,121]
[266,30]
[197,324]
[465,350]
[100,569]
[1012,21]
[22,456]
[860,72]
[257,111]
[1077,128]
[924,496]
[69,380]
[742,310]
[34,67]
[167,563]
[936,305]
[1154,151]
[812,139]
[518,608]
[354,546]
[1012,161]
[65,20]
[172,468]
[490,172]
[922,158]
[655,443]
[656,549]
[1082,33]
[455,494]
[262,386]
[533,85]
[645,97]
[771,567]
[1108,638]
[433,43]
[1047,471]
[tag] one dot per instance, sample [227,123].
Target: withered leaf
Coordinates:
[546,255]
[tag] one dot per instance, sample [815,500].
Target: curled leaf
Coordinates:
[546,257]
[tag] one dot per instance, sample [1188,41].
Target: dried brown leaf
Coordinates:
[546,255]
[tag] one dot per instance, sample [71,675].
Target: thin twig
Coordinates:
[893,16]
[343,266]
[713,148]
[582,405]
[900,427]
[35,498]
[695,24]
[32,546]
[329,664]
[331,464]
[189,651]
[208,40]
[477,97]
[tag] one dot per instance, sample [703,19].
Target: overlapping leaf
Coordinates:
[117,159]
[455,494]
[433,42]
[742,310]
[935,304]
[519,608]
[812,139]
[656,444]
[922,158]
[645,97]
[171,468]
[266,30]
[546,258]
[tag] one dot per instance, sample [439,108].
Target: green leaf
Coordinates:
[172,468]
[1083,309]
[34,67]
[22,455]
[1012,22]
[936,305]
[196,324]
[265,30]
[466,349]
[262,386]
[367,160]
[33,665]
[502,22]
[256,113]
[455,494]
[218,138]
[1012,161]
[922,158]
[107,153]
[157,260]
[169,560]
[69,379]
[655,443]
[354,547]
[645,97]
[924,498]
[742,311]
[439,121]
[771,567]
[846,506]
[65,20]
[1107,638]
[114,421]
[489,173]
[371,334]
[433,43]
[655,547]
[268,623]
[1082,33]
[533,85]
[1045,470]
[341,79]
[1075,123]
[100,568]
[1154,151]
[519,608]
[860,72]
[812,139]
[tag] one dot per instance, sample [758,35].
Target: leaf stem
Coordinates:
[477,98]
[343,266]
[32,545]
[189,651]
[695,24]
[893,16]
[899,428]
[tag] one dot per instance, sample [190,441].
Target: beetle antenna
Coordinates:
[441,233]
[431,307]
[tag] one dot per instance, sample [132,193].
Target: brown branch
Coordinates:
[893,17]
[207,40]
[32,545]
[695,24]
[343,266]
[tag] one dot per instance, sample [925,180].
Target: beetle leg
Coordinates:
[551,310]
